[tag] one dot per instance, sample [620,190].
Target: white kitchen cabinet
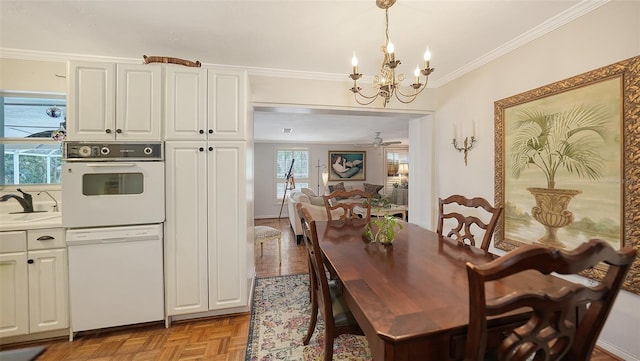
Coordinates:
[227,113]
[34,286]
[205,104]
[14,294]
[185,104]
[206,226]
[114,102]
[48,295]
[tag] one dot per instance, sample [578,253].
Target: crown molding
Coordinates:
[548,26]
[563,18]
[22,54]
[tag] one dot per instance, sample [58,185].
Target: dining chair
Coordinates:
[564,323]
[325,294]
[350,210]
[463,226]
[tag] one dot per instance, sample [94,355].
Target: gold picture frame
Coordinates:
[515,166]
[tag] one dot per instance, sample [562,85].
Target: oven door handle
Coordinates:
[111,165]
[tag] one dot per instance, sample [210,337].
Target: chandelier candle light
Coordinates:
[468,143]
[386,83]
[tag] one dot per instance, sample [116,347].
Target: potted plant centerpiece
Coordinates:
[566,140]
[383,229]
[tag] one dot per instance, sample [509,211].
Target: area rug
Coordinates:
[280,319]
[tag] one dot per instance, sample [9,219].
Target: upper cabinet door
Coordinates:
[91,101]
[139,102]
[227,114]
[185,103]
[94,113]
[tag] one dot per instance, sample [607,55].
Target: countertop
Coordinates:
[26,221]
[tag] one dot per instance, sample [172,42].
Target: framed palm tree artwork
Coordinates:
[568,163]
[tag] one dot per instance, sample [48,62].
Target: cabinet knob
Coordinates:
[210,131]
[210,148]
[118,130]
[108,131]
[201,131]
[45,238]
[30,261]
[201,149]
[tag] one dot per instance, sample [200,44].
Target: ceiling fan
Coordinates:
[377,142]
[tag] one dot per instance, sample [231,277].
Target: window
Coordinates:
[397,168]
[32,126]
[299,171]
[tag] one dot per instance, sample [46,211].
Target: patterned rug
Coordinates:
[279,322]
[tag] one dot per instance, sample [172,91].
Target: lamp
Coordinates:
[325,176]
[386,83]
[403,170]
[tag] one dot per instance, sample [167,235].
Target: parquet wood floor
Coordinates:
[211,339]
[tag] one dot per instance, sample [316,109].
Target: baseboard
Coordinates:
[615,351]
[225,312]
[38,336]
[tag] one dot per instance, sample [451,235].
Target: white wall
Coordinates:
[602,37]
[266,205]
[31,75]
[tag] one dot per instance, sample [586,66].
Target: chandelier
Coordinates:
[386,83]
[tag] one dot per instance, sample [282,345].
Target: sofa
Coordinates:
[311,201]
[315,205]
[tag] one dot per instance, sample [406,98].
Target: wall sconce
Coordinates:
[468,143]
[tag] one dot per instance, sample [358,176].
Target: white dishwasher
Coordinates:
[115,276]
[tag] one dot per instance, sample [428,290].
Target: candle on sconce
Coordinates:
[417,74]
[454,131]
[354,62]
[475,128]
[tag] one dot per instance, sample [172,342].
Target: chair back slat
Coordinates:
[564,323]
[348,209]
[461,228]
[316,265]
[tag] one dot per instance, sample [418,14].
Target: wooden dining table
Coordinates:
[411,299]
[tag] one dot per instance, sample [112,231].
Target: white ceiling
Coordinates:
[302,37]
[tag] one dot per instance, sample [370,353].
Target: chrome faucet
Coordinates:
[26,201]
[55,206]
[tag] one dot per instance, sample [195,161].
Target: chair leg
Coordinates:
[314,312]
[328,347]
[279,251]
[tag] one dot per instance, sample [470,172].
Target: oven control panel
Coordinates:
[114,151]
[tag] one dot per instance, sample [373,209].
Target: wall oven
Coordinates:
[111,184]
[113,206]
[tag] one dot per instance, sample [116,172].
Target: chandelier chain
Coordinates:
[386,21]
